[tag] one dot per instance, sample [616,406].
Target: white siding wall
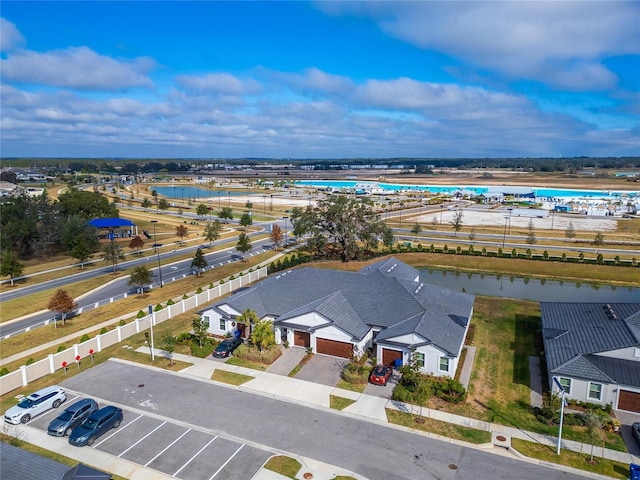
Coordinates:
[308,319]
[580,392]
[432,361]
[214,323]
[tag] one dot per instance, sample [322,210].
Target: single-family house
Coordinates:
[593,349]
[384,306]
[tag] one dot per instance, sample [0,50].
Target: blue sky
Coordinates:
[320,79]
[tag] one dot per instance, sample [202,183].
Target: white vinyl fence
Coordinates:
[80,353]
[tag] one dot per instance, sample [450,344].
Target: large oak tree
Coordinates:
[345,226]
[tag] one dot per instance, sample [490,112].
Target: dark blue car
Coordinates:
[227,347]
[98,423]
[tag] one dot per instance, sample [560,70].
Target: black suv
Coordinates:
[227,347]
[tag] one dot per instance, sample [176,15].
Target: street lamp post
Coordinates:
[286,242]
[156,247]
[510,210]
[441,210]
[504,235]
[562,391]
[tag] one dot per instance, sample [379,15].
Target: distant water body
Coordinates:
[477,189]
[523,288]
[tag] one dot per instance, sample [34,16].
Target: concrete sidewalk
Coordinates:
[371,408]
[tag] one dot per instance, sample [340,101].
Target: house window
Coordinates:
[595,391]
[419,360]
[207,321]
[223,325]
[566,384]
[444,364]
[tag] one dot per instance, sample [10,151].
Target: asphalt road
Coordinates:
[116,289]
[375,451]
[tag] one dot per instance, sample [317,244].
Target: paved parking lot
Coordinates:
[176,449]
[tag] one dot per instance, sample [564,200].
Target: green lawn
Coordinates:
[230,377]
[577,460]
[339,403]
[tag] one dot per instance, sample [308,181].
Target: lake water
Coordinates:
[529,288]
[477,189]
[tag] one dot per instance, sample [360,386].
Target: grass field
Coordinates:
[133,304]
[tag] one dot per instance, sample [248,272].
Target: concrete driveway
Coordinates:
[383,391]
[323,369]
[626,419]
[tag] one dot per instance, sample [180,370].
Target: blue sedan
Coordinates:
[98,423]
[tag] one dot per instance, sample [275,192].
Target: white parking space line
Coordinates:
[117,431]
[192,458]
[225,463]
[159,426]
[167,447]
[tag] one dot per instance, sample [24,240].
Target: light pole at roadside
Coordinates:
[504,235]
[562,391]
[156,247]
[286,242]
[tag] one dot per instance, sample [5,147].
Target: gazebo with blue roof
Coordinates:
[117,227]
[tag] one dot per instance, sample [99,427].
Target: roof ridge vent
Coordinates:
[419,288]
[610,313]
[392,267]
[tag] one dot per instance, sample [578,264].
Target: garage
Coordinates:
[629,401]
[301,339]
[389,356]
[334,348]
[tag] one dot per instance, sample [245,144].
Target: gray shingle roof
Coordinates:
[573,331]
[384,294]
[18,464]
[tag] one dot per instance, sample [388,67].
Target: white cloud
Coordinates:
[10,36]
[524,40]
[219,82]
[314,79]
[76,67]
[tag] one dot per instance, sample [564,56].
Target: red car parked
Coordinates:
[380,374]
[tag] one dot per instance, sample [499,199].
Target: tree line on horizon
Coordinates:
[129,166]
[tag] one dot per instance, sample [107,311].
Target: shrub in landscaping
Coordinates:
[356,373]
[170,302]
[4,371]
[199,290]
[103,330]
[30,361]
[185,296]
[160,307]
[267,356]
[61,348]
[84,338]
[183,338]
[445,388]
[141,314]
[122,322]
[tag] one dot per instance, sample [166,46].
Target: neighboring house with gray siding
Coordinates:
[383,306]
[594,351]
